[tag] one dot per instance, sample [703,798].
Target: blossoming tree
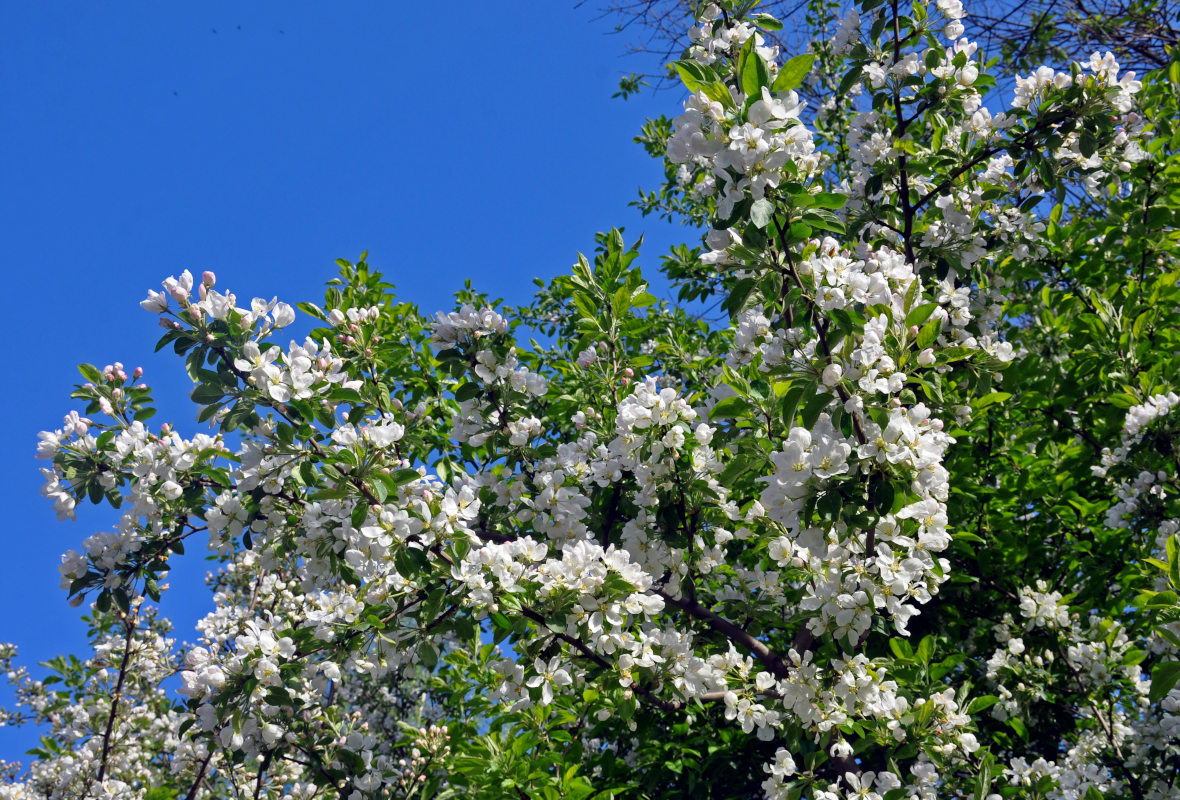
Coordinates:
[903,525]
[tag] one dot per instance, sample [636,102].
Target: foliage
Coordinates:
[905,525]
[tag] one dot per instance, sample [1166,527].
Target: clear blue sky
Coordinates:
[264,140]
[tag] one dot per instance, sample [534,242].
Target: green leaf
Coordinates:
[829,200]
[824,220]
[91,374]
[790,401]
[767,22]
[812,407]
[846,83]
[762,212]
[1163,677]
[982,703]
[920,314]
[621,302]
[926,649]
[719,92]
[901,648]
[752,71]
[401,477]
[468,391]
[730,407]
[792,73]
[206,393]
[692,74]
[380,490]
[990,399]
[929,333]
[883,495]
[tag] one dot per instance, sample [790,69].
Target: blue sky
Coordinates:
[263,141]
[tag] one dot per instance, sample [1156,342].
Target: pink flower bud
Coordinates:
[208,278]
[630,373]
[194,312]
[137,372]
[913,330]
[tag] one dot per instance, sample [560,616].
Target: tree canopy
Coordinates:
[901,523]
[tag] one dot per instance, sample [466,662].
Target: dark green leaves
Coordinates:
[1164,676]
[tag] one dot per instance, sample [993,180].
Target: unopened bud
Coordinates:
[137,372]
[630,373]
[208,278]
[913,330]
